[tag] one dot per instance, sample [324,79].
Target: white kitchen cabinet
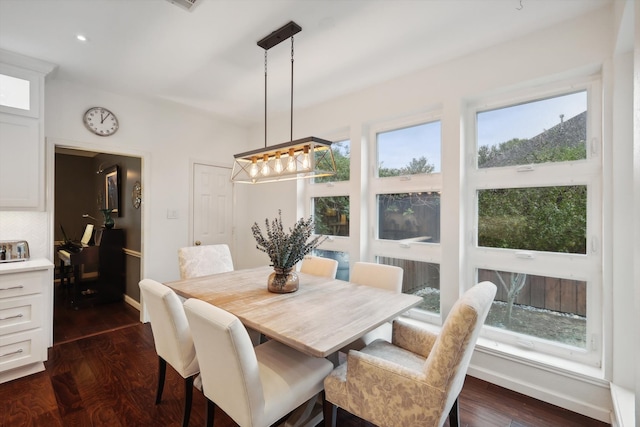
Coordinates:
[26,317]
[22,144]
[21,163]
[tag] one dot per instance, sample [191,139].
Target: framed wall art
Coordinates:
[112,190]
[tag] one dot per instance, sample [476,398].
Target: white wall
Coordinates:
[167,136]
[581,46]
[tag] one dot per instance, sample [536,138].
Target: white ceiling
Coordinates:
[208,57]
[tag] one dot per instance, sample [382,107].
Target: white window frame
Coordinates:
[425,252]
[333,189]
[587,267]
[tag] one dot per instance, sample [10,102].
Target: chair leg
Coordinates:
[454,415]
[162,370]
[330,412]
[188,396]
[211,410]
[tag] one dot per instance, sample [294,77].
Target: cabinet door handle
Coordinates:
[18,351]
[17,316]
[12,287]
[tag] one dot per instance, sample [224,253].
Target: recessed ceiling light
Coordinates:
[81,37]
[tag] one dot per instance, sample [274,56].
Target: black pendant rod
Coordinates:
[265,98]
[281,34]
[291,119]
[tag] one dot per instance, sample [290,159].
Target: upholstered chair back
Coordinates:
[319,266]
[230,376]
[377,275]
[448,361]
[196,261]
[170,327]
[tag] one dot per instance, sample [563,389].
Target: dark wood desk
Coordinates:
[320,318]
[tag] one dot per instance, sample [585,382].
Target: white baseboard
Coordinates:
[538,388]
[623,414]
[133,303]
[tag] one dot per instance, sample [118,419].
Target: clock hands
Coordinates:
[102,119]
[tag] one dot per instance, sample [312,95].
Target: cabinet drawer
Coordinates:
[20,314]
[24,283]
[21,349]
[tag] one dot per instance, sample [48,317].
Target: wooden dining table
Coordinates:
[320,318]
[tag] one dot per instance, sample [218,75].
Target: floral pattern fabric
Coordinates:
[415,380]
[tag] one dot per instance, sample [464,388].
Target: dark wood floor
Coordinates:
[109,379]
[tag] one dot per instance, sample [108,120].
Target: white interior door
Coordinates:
[212,205]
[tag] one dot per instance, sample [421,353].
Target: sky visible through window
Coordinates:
[525,121]
[398,147]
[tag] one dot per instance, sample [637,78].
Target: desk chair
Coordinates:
[254,386]
[196,261]
[379,276]
[319,266]
[172,338]
[415,379]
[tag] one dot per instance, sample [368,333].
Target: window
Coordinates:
[19,91]
[341,155]
[341,257]
[328,200]
[14,92]
[421,279]
[535,193]
[410,150]
[411,217]
[405,191]
[331,215]
[552,219]
[549,308]
[546,130]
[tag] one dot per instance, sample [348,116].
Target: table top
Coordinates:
[321,317]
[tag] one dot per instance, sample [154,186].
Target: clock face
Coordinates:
[100,121]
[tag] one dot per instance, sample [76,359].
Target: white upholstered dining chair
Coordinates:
[196,261]
[254,386]
[381,276]
[319,266]
[172,338]
[203,260]
[414,380]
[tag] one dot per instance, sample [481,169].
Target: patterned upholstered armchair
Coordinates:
[416,379]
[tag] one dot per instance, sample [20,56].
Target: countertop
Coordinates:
[21,266]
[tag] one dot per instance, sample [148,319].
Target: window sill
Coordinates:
[556,365]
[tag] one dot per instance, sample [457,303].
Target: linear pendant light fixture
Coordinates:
[303,158]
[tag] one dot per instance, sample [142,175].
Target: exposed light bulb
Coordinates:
[253,170]
[306,162]
[265,165]
[277,166]
[291,163]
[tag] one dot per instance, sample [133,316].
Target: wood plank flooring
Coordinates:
[109,379]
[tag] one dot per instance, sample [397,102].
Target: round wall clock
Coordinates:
[136,195]
[100,121]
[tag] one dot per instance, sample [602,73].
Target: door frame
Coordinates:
[145,175]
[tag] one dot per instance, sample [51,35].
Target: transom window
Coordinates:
[410,150]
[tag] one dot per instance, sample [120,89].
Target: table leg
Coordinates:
[309,414]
